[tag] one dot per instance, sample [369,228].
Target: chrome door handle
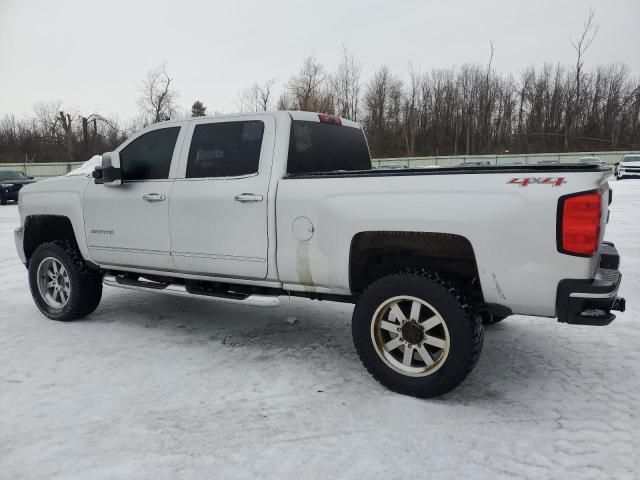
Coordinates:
[154,197]
[248,197]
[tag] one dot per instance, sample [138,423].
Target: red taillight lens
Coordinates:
[324,118]
[581,223]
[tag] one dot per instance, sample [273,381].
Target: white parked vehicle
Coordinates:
[628,167]
[245,208]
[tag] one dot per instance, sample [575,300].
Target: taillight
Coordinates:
[324,118]
[579,224]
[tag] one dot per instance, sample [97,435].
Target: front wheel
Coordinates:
[63,287]
[415,334]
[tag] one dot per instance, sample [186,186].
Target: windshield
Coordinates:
[631,159]
[11,175]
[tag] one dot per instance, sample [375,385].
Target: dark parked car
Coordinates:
[11,181]
[592,161]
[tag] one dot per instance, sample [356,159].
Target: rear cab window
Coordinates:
[320,147]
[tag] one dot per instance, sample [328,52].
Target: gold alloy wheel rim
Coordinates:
[53,282]
[410,336]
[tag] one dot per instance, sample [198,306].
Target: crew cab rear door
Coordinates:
[218,210]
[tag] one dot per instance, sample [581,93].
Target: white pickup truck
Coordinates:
[246,208]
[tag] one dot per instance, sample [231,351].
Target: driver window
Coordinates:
[149,157]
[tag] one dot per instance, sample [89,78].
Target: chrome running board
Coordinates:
[181,291]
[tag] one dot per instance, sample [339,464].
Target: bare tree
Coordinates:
[581,45]
[307,87]
[257,97]
[383,100]
[157,98]
[265,94]
[345,84]
[284,101]
[411,111]
[470,109]
[78,136]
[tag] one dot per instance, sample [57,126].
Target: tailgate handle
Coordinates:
[248,197]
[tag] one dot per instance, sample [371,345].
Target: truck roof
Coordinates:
[293,114]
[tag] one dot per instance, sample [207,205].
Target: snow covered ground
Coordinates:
[155,387]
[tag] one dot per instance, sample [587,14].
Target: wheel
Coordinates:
[61,284]
[415,334]
[3,199]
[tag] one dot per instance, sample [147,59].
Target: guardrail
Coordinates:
[43,170]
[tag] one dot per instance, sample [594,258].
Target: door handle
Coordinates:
[154,197]
[248,197]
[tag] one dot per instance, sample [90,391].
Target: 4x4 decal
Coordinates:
[523,182]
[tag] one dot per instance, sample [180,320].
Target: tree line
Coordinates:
[468,110]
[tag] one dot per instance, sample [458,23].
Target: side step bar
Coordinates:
[181,291]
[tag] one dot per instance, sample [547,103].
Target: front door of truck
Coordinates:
[218,210]
[128,224]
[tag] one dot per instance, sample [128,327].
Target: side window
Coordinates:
[149,157]
[226,149]
[316,147]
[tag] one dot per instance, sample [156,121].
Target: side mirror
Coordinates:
[109,172]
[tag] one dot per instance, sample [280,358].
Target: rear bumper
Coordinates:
[590,302]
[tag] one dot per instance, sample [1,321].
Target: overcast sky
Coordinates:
[92,55]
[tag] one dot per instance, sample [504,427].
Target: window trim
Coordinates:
[236,177]
[226,177]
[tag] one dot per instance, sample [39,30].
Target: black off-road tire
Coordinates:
[85,283]
[463,324]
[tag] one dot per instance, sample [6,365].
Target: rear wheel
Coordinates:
[61,284]
[416,334]
[3,199]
